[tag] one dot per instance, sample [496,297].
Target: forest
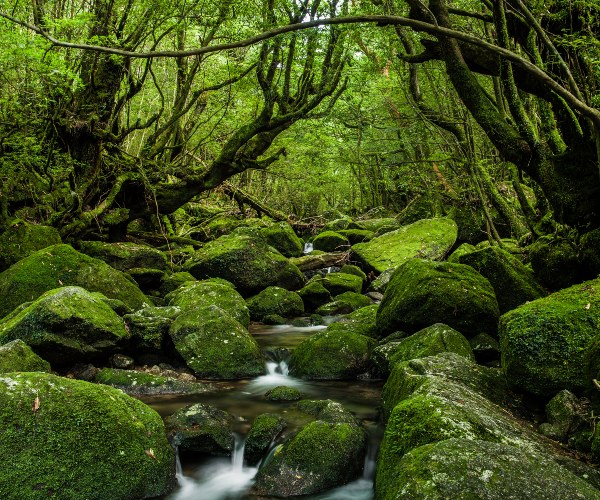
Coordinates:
[351,245]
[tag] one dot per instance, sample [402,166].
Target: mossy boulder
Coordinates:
[325,453]
[544,342]
[282,237]
[355,236]
[485,348]
[463,249]
[61,265]
[338,283]
[143,384]
[380,283]
[361,322]
[149,327]
[201,428]
[513,283]
[427,238]
[344,303]
[265,428]
[344,222]
[173,281]
[423,292]
[330,241]
[375,225]
[426,342]
[563,415]
[124,256]
[22,239]
[17,356]
[283,393]
[462,468]
[555,262]
[314,294]
[147,279]
[275,300]
[201,294]
[215,345]
[65,326]
[72,439]
[332,355]
[355,270]
[248,262]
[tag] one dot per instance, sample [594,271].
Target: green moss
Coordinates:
[275,300]
[17,356]
[590,253]
[265,428]
[343,222]
[282,237]
[22,239]
[149,327]
[124,256]
[215,345]
[314,294]
[421,293]
[174,281]
[463,249]
[361,322]
[338,283]
[355,270]
[83,441]
[330,241]
[428,238]
[142,383]
[60,265]
[376,224]
[555,262]
[344,303]
[544,342]
[283,393]
[356,235]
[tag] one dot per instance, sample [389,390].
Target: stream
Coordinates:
[227,478]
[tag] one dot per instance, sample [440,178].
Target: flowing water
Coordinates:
[226,478]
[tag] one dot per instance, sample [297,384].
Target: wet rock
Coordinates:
[141,383]
[265,428]
[563,414]
[338,283]
[283,393]
[344,303]
[314,294]
[121,361]
[17,356]
[275,300]
[124,256]
[282,237]
[149,327]
[361,322]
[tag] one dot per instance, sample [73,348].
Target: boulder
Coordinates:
[344,222]
[146,384]
[332,355]
[282,237]
[338,283]
[72,439]
[380,283]
[462,468]
[265,428]
[215,345]
[427,238]
[124,256]
[544,342]
[146,278]
[377,224]
[463,249]
[275,300]
[314,294]
[248,262]
[485,348]
[344,303]
[564,414]
[330,241]
[355,270]
[555,262]
[283,393]
[173,281]
[201,294]
[423,292]
[65,326]
[149,327]
[17,356]
[361,322]
[356,235]
[61,265]
[21,239]
[513,283]
[325,453]
[201,428]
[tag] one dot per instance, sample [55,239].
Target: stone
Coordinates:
[485,348]
[356,235]
[275,300]
[380,283]
[17,356]
[282,237]
[121,361]
[173,281]
[138,383]
[355,270]
[265,429]
[338,283]
[344,303]
[147,279]
[124,256]
[361,322]
[563,415]
[283,393]
[314,294]
[555,262]
[21,239]
[149,327]
[330,241]
[463,249]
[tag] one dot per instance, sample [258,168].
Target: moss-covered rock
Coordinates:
[544,342]
[325,453]
[265,428]
[215,345]
[72,439]
[201,428]
[462,468]
[275,300]
[282,237]
[146,278]
[142,383]
[361,322]
[61,265]
[463,249]
[344,222]
[314,294]
[221,224]
[332,355]
[330,241]
[283,393]
[149,327]
[555,262]
[201,294]
[338,283]
[513,283]
[428,238]
[22,239]
[355,270]
[589,253]
[485,348]
[124,256]
[426,342]
[423,292]
[65,326]
[377,224]
[17,356]
[173,281]
[563,415]
[355,236]
[344,303]
[248,262]
[380,283]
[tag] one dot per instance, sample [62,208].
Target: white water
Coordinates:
[220,479]
[277,374]
[308,247]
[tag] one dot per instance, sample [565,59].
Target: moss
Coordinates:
[283,393]
[201,294]
[282,237]
[356,235]
[67,325]
[355,270]
[344,222]
[555,262]
[83,441]
[149,327]
[421,293]
[265,428]
[338,283]
[124,256]
[376,224]
[513,283]
[202,428]
[22,239]
[314,294]
[428,238]
[344,303]
[60,265]
[544,342]
[173,281]
[380,283]
[215,345]
[248,262]
[17,356]
[590,253]
[361,322]
[142,383]
[332,355]
[330,241]
[463,249]
[275,300]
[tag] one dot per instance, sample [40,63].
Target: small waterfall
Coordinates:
[278,368]
[308,247]
[237,456]
[277,374]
